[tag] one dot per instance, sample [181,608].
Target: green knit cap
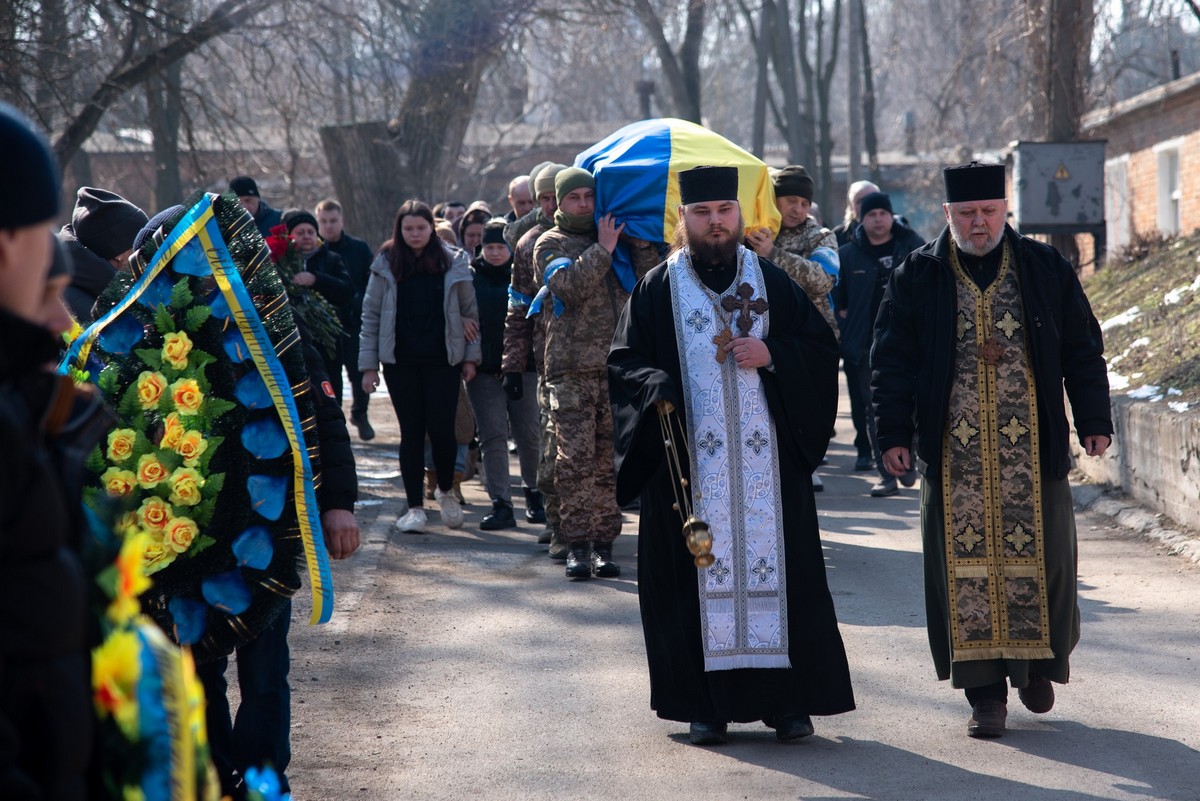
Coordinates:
[544,182]
[572,178]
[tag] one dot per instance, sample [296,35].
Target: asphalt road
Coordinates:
[462,664]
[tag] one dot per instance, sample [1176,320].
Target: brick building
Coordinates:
[1152,162]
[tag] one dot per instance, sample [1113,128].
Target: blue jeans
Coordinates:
[260,735]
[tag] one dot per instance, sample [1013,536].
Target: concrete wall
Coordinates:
[1155,458]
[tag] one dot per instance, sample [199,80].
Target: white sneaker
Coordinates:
[413,521]
[818,484]
[452,512]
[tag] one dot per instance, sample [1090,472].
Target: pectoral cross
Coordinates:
[721,340]
[991,351]
[740,302]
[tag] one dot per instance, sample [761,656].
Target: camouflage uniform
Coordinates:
[576,354]
[517,228]
[524,335]
[794,252]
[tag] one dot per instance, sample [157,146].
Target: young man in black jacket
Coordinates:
[879,243]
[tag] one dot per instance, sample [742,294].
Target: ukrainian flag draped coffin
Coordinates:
[636,170]
[213,457]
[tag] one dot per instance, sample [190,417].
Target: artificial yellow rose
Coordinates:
[150,471]
[173,430]
[150,386]
[116,669]
[175,349]
[187,395]
[127,524]
[154,513]
[191,446]
[117,482]
[156,556]
[185,484]
[120,444]
[181,531]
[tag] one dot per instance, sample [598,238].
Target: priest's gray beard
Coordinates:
[704,254]
[970,248]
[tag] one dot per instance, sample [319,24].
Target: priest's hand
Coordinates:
[898,460]
[1096,444]
[608,232]
[749,353]
[341,532]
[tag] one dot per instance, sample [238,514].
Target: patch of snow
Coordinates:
[1178,406]
[1117,381]
[1124,318]
[1145,391]
[1173,391]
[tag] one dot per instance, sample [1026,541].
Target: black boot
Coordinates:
[603,565]
[500,517]
[535,508]
[360,421]
[558,547]
[579,561]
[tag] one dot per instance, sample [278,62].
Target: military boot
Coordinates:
[579,560]
[603,565]
[535,506]
[558,547]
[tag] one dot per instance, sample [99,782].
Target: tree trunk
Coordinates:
[762,84]
[165,106]
[364,165]
[681,72]
[854,92]
[870,142]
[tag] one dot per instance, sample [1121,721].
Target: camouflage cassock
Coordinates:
[809,254]
[575,367]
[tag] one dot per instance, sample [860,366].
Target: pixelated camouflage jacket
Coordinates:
[517,228]
[524,334]
[808,253]
[592,299]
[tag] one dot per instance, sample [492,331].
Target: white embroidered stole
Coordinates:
[735,477]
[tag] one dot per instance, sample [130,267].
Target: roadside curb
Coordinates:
[1158,528]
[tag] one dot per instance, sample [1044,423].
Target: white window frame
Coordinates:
[1170,189]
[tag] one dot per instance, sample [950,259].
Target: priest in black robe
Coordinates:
[794,369]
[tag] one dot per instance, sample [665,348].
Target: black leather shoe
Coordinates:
[360,421]
[987,719]
[791,727]
[1038,697]
[603,565]
[500,517]
[703,733]
[579,562]
[535,506]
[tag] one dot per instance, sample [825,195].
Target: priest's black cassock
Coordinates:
[802,399]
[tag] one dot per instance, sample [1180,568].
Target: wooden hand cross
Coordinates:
[740,302]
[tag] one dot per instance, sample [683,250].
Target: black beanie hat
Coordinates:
[794,180]
[974,181]
[294,218]
[244,185]
[153,225]
[493,231]
[104,222]
[875,200]
[29,191]
[704,184]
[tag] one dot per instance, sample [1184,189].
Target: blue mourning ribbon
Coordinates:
[518,300]
[561,263]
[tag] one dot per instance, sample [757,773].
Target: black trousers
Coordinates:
[360,399]
[425,398]
[860,403]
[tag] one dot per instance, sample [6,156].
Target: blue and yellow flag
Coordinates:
[637,179]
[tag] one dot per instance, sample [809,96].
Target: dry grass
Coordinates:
[1161,346]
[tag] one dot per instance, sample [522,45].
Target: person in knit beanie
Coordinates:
[99,238]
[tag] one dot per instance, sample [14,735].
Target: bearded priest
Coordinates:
[721,345]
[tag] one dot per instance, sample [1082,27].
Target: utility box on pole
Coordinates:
[1058,188]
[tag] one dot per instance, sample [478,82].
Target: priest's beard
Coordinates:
[706,254]
[966,245]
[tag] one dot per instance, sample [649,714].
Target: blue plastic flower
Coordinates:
[267,495]
[159,291]
[254,548]
[235,347]
[251,391]
[264,438]
[119,336]
[191,619]
[220,308]
[262,785]
[190,260]
[227,592]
